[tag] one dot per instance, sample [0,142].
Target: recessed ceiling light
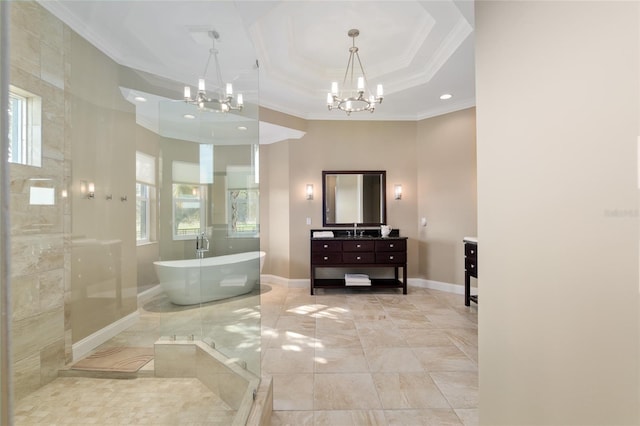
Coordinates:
[189,116]
[446,96]
[242,128]
[140,99]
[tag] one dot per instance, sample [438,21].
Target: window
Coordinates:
[187,211]
[244,213]
[25,111]
[145,194]
[188,201]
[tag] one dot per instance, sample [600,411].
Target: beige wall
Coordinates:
[557,113]
[433,159]
[339,145]
[447,193]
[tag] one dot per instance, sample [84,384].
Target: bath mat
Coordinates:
[119,359]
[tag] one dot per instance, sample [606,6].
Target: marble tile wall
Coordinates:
[81,138]
[39,255]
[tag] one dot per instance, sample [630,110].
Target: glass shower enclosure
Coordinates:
[135,216]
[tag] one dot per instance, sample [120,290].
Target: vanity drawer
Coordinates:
[357,245]
[355,257]
[471,266]
[391,245]
[391,257]
[325,246]
[326,258]
[471,250]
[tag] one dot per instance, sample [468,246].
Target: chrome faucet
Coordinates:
[355,229]
[202,245]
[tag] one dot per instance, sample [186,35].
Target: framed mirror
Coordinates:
[354,196]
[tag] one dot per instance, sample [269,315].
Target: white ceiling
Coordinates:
[417,49]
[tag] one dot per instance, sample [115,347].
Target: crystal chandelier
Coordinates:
[222,102]
[352,98]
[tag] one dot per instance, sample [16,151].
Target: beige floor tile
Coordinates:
[383,360]
[444,358]
[421,338]
[426,417]
[341,360]
[408,390]
[293,391]
[460,388]
[346,391]
[288,360]
[292,418]
[335,338]
[381,337]
[468,416]
[350,418]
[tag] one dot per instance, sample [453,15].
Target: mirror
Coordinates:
[350,197]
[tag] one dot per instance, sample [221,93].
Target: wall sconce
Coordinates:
[309,191]
[397,191]
[91,190]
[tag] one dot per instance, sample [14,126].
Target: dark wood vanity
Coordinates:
[470,268]
[350,253]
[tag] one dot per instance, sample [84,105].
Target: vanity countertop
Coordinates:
[470,239]
[347,234]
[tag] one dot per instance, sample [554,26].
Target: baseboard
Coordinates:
[436,285]
[416,282]
[284,282]
[89,343]
[149,294]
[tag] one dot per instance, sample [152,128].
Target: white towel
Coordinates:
[357,280]
[322,234]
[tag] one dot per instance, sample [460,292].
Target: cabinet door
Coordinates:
[324,246]
[355,257]
[360,246]
[391,257]
[328,258]
[391,245]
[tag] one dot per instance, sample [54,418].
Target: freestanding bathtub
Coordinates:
[193,281]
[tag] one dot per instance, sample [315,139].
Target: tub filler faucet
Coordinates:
[202,245]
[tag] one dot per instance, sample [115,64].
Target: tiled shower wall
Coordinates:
[88,132]
[39,250]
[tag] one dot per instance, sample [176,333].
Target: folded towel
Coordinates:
[357,277]
[322,234]
[357,284]
[357,280]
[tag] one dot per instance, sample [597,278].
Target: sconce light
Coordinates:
[91,190]
[309,191]
[64,193]
[397,191]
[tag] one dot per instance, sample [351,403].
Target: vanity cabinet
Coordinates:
[470,268]
[352,253]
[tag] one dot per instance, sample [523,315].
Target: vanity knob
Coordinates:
[326,246]
[390,257]
[326,258]
[472,251]
[358,258]
[473,266]
[358,245]
[391,245]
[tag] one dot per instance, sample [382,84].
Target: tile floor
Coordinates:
[341,357]
[355,357]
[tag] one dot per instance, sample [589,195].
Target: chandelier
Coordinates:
[352,98]
[222,100]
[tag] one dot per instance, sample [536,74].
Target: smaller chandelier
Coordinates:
[223,101]
[352,98]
